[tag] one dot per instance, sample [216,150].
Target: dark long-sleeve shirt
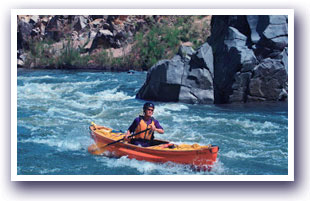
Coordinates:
[136,122]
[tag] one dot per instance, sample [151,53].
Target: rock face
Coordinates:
[188,77]
[250,58]
[88,32]
[268,81]
[107,28]
[247,62]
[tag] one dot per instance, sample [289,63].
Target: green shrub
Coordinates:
[159,43]
[38,54]
[101,58]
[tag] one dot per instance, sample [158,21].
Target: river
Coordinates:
[55,108]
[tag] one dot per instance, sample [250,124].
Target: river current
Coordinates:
[56,107]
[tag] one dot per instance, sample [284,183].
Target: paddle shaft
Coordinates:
[124,138]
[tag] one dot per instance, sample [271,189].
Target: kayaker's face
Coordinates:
[149,112]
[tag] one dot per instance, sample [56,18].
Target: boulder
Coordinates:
[186,52]
[203,59]
[34,19]
[163,81]
[54,28]
[187,77]
[87,42]
[21,59]
[79,23]
[269,80]
[195,95]
[198,72]
[273,33]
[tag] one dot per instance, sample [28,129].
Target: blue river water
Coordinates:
[55,108]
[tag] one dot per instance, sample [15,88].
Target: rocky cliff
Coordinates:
[111,42]
[244,60]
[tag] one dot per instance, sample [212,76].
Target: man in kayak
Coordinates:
[142,123]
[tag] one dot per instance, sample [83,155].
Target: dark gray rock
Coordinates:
[283,95]
[21,59]
[54,28]
[240,87]
[250,58]
[203,59]
[24,30]
[273,37]
[197,78]
[232,56]
[284,58]
[195,95]
[186,52]
[79,23]
[269,80]
[163,81]
[187,77]
[34,19]
[253,21]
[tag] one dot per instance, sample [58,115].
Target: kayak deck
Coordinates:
[108,133]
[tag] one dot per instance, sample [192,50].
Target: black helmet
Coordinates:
[147,105]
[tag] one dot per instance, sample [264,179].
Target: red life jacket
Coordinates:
[148,135]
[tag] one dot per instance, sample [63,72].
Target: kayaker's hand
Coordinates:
[127,135]
[153,128]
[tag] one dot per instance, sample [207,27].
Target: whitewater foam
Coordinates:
[233,154]
[106,95]
[167,109]
[149,168]
[66,143]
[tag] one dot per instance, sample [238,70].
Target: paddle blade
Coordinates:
[96,149]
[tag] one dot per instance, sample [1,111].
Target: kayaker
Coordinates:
[142,123]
